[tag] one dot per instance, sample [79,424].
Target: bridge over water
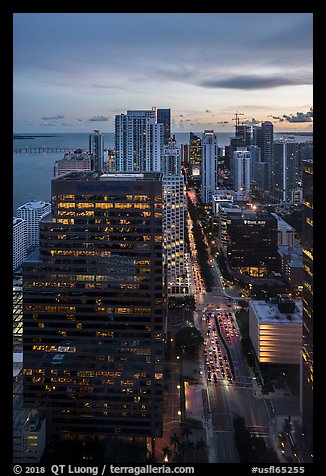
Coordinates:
[40,150]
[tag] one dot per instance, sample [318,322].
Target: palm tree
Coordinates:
[174,440]
[186,432]
[182,447]
[167,452]
[190,445]
[201,445]
[178,457]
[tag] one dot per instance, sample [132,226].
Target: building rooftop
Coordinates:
[223,195]
[76,155]
[269,313]
[229,206]
[282,224]
[292,254]
[15,220]
[34,205]
[77,176]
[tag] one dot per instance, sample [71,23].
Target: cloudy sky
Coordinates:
[73,72]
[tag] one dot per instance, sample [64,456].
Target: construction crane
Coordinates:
[236,118]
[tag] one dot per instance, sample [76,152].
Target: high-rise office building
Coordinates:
[242,176]
[185,154]
[263,137]
[173,223]
[96,147]
[307,362]
[32,212]
[19,242]
[285,180]
[195,154]
[138,142]
[163,116]
[93,308]
[242,138]
[209,165]
[306,151]
[243,133]
[252,243]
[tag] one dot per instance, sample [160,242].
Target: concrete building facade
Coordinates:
[275,330]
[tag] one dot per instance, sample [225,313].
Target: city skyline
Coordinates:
[205,66]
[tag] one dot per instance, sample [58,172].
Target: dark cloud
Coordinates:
[99,119]
[253,82]
[222,122]
[52,118]
[180,115]
[251,122]
[66,124]
[298,117]
[207,110]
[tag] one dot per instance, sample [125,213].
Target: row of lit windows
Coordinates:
[136,198]
[86,382]
[308,269]
[49,308]
[308,286]
[54,348]
[308,204]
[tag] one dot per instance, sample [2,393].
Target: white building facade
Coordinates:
[138,142]
[173,223]
[19,246]
[209,166]
[242,176]
[32,212]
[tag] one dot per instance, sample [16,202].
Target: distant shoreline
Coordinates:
[32,136]
[36,135]
[296,133]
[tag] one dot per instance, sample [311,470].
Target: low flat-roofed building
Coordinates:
[221,197]
[77,161]
[275,330]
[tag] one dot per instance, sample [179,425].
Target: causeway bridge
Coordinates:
[40,150]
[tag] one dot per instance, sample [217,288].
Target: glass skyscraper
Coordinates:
[307,302]
[164,117]
[93,308]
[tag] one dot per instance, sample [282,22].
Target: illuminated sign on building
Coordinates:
[254,222]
